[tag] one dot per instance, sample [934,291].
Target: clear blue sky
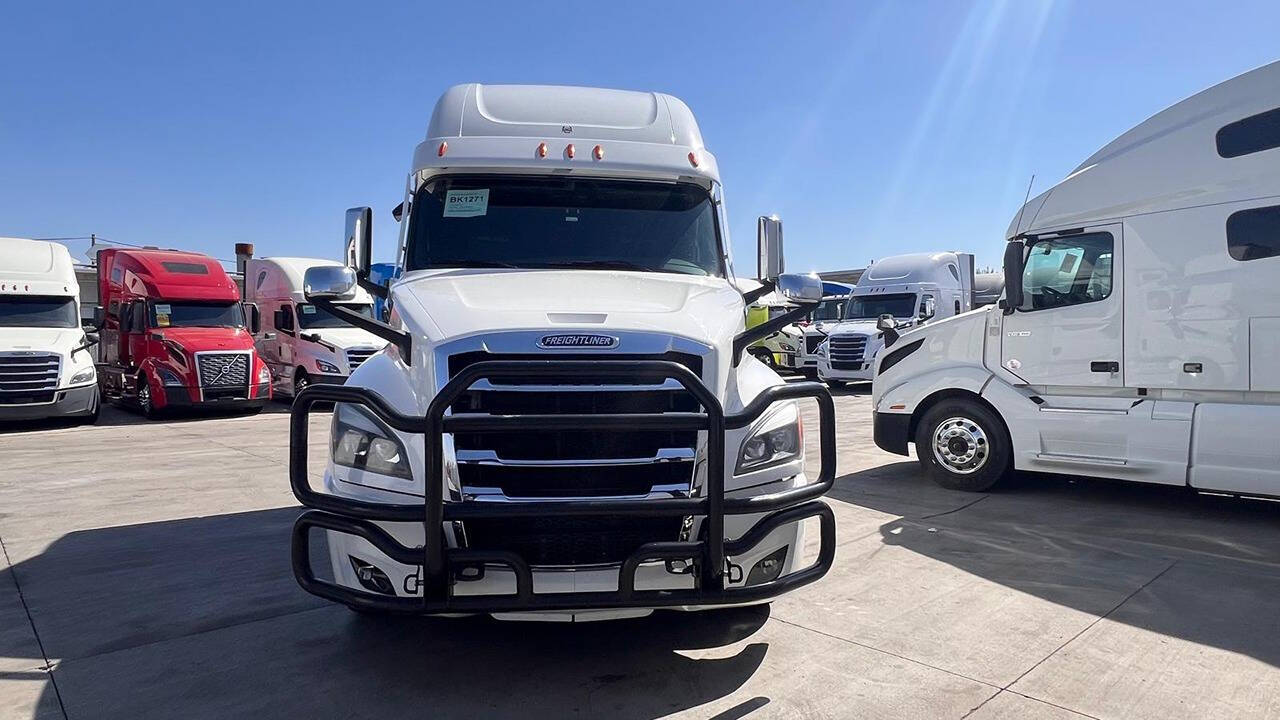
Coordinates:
[872,128]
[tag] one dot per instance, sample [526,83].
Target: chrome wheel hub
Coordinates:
[961,445]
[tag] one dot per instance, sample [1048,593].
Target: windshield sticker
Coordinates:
[466,203]
[162,319]
[308,309]
[163,309]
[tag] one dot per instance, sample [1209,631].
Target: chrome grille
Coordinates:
[223,370]
[28,377]
[573,464]
[846,352]
[357,356]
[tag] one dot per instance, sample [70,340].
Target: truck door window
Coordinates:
[1254,234]
[564,222]
[1067,270]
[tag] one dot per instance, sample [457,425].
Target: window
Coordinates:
[186,268]
[1250,135]
[1254,234]
[262,277]
[957,307]
[312,317]
[196,314]
[1069,270]
[954,272]
[870,307]
[476,221]
[40,311]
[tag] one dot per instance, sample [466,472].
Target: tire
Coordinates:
[977,452]
[145,404]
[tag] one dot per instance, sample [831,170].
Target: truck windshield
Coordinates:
[38,311]
[468,221]
[194,314]
[311,317]
[829,310]
[869,307]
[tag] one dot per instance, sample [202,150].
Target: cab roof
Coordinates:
[1168,162]
[36,267]
[173,274]
[502,126]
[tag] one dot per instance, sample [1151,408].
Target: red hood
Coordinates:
[193,339]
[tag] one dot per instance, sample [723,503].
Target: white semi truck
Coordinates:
[1139,332]
[915,289]
[46,365]
[566,423]
[300,342]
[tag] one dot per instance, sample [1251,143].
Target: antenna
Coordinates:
[1018,228]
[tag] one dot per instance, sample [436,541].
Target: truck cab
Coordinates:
[565,424]
[818,325]
[1139,331]
[915,289]
[175,333]
[300,342]
[46,360]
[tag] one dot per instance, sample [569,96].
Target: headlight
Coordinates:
[361,442]
[84,376]
[326,367]
[168,378]
[770,447]
[264,375]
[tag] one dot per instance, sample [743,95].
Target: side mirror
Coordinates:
[99,317]
[1013,262]
[329,282]
[770,263]
[398,212]
[253,317]
[277,318]
[358,250]
[887,325]
[928,308]
[802,289]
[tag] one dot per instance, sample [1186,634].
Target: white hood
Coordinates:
[464,302]
[861,327]
[347,337]
[59,340]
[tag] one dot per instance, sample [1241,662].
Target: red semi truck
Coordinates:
[175,334]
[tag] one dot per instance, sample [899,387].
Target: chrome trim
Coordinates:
[1084,411]
[249,376]
[493,494]
[489,457]
[1079,459]
[486,385]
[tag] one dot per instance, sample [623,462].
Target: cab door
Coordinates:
[1068,327]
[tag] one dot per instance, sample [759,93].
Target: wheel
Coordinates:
[145,403]
[962,445]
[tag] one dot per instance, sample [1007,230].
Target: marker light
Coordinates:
[444,148]
[542,150]
[693,159]
[598,152]
[569,151]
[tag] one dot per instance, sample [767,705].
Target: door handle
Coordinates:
[1104,366]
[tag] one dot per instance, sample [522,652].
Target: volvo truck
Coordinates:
[915,289]
[1139,331]
[46,360]
[175,333]
[565,423]
[300,342]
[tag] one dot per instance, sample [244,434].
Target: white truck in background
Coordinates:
[915,288]
[1139,336]
[46,367]
[565,424]
[819,324]
[300,342]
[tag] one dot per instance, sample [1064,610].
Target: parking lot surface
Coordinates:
[146,574]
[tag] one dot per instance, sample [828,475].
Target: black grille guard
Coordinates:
[437,562]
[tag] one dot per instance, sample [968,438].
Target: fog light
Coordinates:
[371,577]
[769,567]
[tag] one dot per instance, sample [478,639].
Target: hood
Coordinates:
[347,337]
[862,327]
[194,339]
[455,303]
[39,339]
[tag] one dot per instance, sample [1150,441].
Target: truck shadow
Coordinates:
[200,617]
[1196,567]
[113,416]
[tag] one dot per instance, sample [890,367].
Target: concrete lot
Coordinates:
[147,575]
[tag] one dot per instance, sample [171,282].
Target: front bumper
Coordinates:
[180,396]
[891,431]
[699,566]
[72,402]
[864,371]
